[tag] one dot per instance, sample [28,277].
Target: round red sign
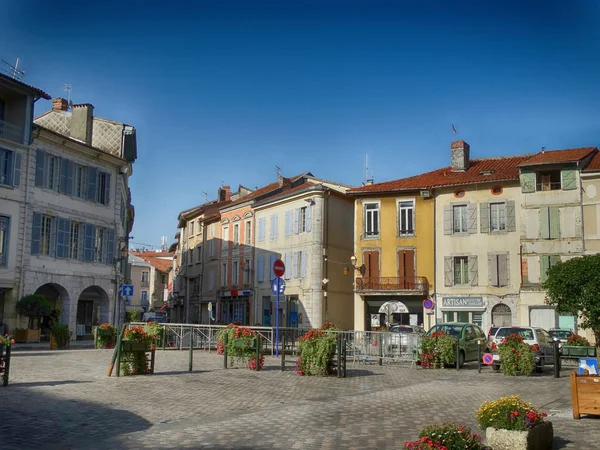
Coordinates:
[278,268]
[488,358]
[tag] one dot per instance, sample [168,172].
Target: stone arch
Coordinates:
[59,300]
[247,215]
[93,308]
[501,315]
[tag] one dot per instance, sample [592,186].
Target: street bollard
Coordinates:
[338,345]
[344,353]
[479,356]
[225,351]
[7,365]
[164,338]
[283,355]
[457,356]
[191,350]
[380,341]
[556,360]
[258,352]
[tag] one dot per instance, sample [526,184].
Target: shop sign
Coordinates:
[462,302]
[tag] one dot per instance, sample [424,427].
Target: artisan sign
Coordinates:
[462,302]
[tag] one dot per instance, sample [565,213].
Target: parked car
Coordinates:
[404,337]
[562,334]
[492,333]
[542,345]
[468,334]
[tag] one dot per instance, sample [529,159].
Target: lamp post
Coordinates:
[118,275]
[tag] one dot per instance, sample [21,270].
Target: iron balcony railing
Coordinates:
[419,284]
[11,132]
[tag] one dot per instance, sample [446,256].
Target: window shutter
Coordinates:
[272,227]
[40,168]
[295,268]
[473,275]
[70,172]
[107,189]
[62,238]
[90,238]
[36,233]
[110,245]
[472,218]
[261,229]
[211,280]
[554,222]
[527,182]
[303,263]
[81,243]
[62,185]
[554,260]
[260,268]
[448,274]
[544,223]
[288,223]
[502,270]
[484,217]
[309,218]
[287,260]
[448,221]
[296,220]
[17,172]
[544,265]
[92,183]
[493,269]
[511,222]
[53,224]
[569,179]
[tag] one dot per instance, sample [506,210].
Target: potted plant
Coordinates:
[241,345]
[34,307]
[512,424]
[577,346]
[317,348]
[60,335]
[438,350]
[105,335]
[448,436]
[516,356]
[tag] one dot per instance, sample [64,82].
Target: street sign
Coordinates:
[278,268]
[488,358]
[278,286]
[127,290]
[428,304]
[209,306]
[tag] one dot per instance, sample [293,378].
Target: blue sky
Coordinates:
[224,91]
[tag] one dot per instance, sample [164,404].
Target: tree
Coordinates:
[34,307]
[573,287]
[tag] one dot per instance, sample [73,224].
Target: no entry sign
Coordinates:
[278,268]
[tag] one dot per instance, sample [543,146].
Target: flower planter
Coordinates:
[585,394]
[27,335]
[537,438]
[128,346]
[578,351]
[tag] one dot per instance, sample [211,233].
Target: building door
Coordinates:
[501,315]
[371,260]
[406,269]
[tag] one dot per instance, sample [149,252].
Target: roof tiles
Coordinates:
[559,156]
[594,164]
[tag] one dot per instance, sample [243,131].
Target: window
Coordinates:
[211,248]
[99,247]
[163,279]
[498,269]
[74,235]
[461,270]
[459,193]
[211,229]
[549,222]
[199,254]
[459,216]
[53,172]
[247,271]
[191,228]
[10,167]
[546,262]
[103,188]
[46,235]
[497,190]
[248,232]
[4,223]
[548,181]
[299,264]
[498,216]
[406,218]
[236,234]
[144,298]
[79,182]
[145,277]
[224,274]
[225,238]
[302,220]
[235,274]
[372,219]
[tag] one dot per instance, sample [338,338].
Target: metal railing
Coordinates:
[11,132]
[392,284]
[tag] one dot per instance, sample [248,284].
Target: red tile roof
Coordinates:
[594,164]
[265,190]
[559,156]
[154,254]
[163,265]
[485,170]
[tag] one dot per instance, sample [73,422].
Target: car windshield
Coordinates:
[525,333]
[560,334]
[402,330]
[451,329]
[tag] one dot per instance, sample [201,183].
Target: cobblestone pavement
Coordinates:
[64,400]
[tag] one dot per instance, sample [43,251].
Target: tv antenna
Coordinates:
[453,130]
[367,179]
[205,196]
[278,170]
[12,71]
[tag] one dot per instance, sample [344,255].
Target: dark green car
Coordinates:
[468,334]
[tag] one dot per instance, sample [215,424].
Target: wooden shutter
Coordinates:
[110,246]
[295,267]
[17,169]
[62,184]
[544,223]
[81,243]
[473,274]
[569,179]
[511,222]
[502,270]
[406,268]
[309,218]
[272,259]
[448,224]
[554,221]
[276,226]
[261,229]
[527,182]
[493,269]
[260,268]
[484,217]
[371,260]
[90,238]
[40,169]
[70,172]
[272,227]
[554,260]
[36,233]
[472,218]
[544,265]
[448,272]
[303,261]
[296,220]
[107,188]
[287,260]
[92,183]
[288,223]
[62,237]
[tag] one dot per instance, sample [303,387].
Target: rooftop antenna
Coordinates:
[205,196]
[453,130]
[68,89]
[278,170]
[543,149]
[367,179]
[12,71]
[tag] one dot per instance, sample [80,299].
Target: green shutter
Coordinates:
[544,265]
[554,222]
[569,180]
[554,260]
[527,182]
[544,223]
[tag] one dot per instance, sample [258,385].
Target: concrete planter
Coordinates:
[578,352]
[537,438]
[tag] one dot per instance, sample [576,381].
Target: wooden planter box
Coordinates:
[585,394]
[537,438]
[127,346]
[578,351]
[27,335]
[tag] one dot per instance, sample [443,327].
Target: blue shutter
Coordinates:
[90,238]
[309,219]
[92,183]
[287,260]
[296,220]
[275,225]
[62,237]
[62,185]
[288,222]
[53,236]
[107,189]
[36,233]
[260,268]
[69,177]
[110,245]
[295,269]
[40,168]
[272,260]
[303,262]
[261,229]
[17,173]
[81,243]
[272,227]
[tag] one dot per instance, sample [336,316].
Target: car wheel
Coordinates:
[496,367]
[461,359]
[539,368]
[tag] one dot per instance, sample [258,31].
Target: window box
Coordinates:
[578,351]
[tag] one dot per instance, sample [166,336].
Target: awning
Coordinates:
[393,307]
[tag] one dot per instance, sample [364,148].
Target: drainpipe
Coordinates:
[435,258]
[581,205]
[325,249]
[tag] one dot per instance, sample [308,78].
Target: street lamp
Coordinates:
[362,268]
[118,274]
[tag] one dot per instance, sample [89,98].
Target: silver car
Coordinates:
[404,337]
[542,345]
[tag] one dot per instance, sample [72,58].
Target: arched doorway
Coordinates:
[501,315]
[58,297]
[92,309]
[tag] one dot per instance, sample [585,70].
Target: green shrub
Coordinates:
[509,413]
[447,435]
[317,348]
[438,350]
[34,307]
[61,334]
[515,356]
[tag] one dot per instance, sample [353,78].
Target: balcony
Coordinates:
[11,132]
[417,285]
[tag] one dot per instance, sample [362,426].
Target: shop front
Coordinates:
[463,309]
[384,311]
[235,307]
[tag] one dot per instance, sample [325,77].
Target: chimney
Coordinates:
[59,104]
[224,193]
[283,180]
[459,155]
[82,122]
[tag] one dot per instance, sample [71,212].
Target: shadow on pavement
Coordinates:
[46,383]
[180,372]
[559,443]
